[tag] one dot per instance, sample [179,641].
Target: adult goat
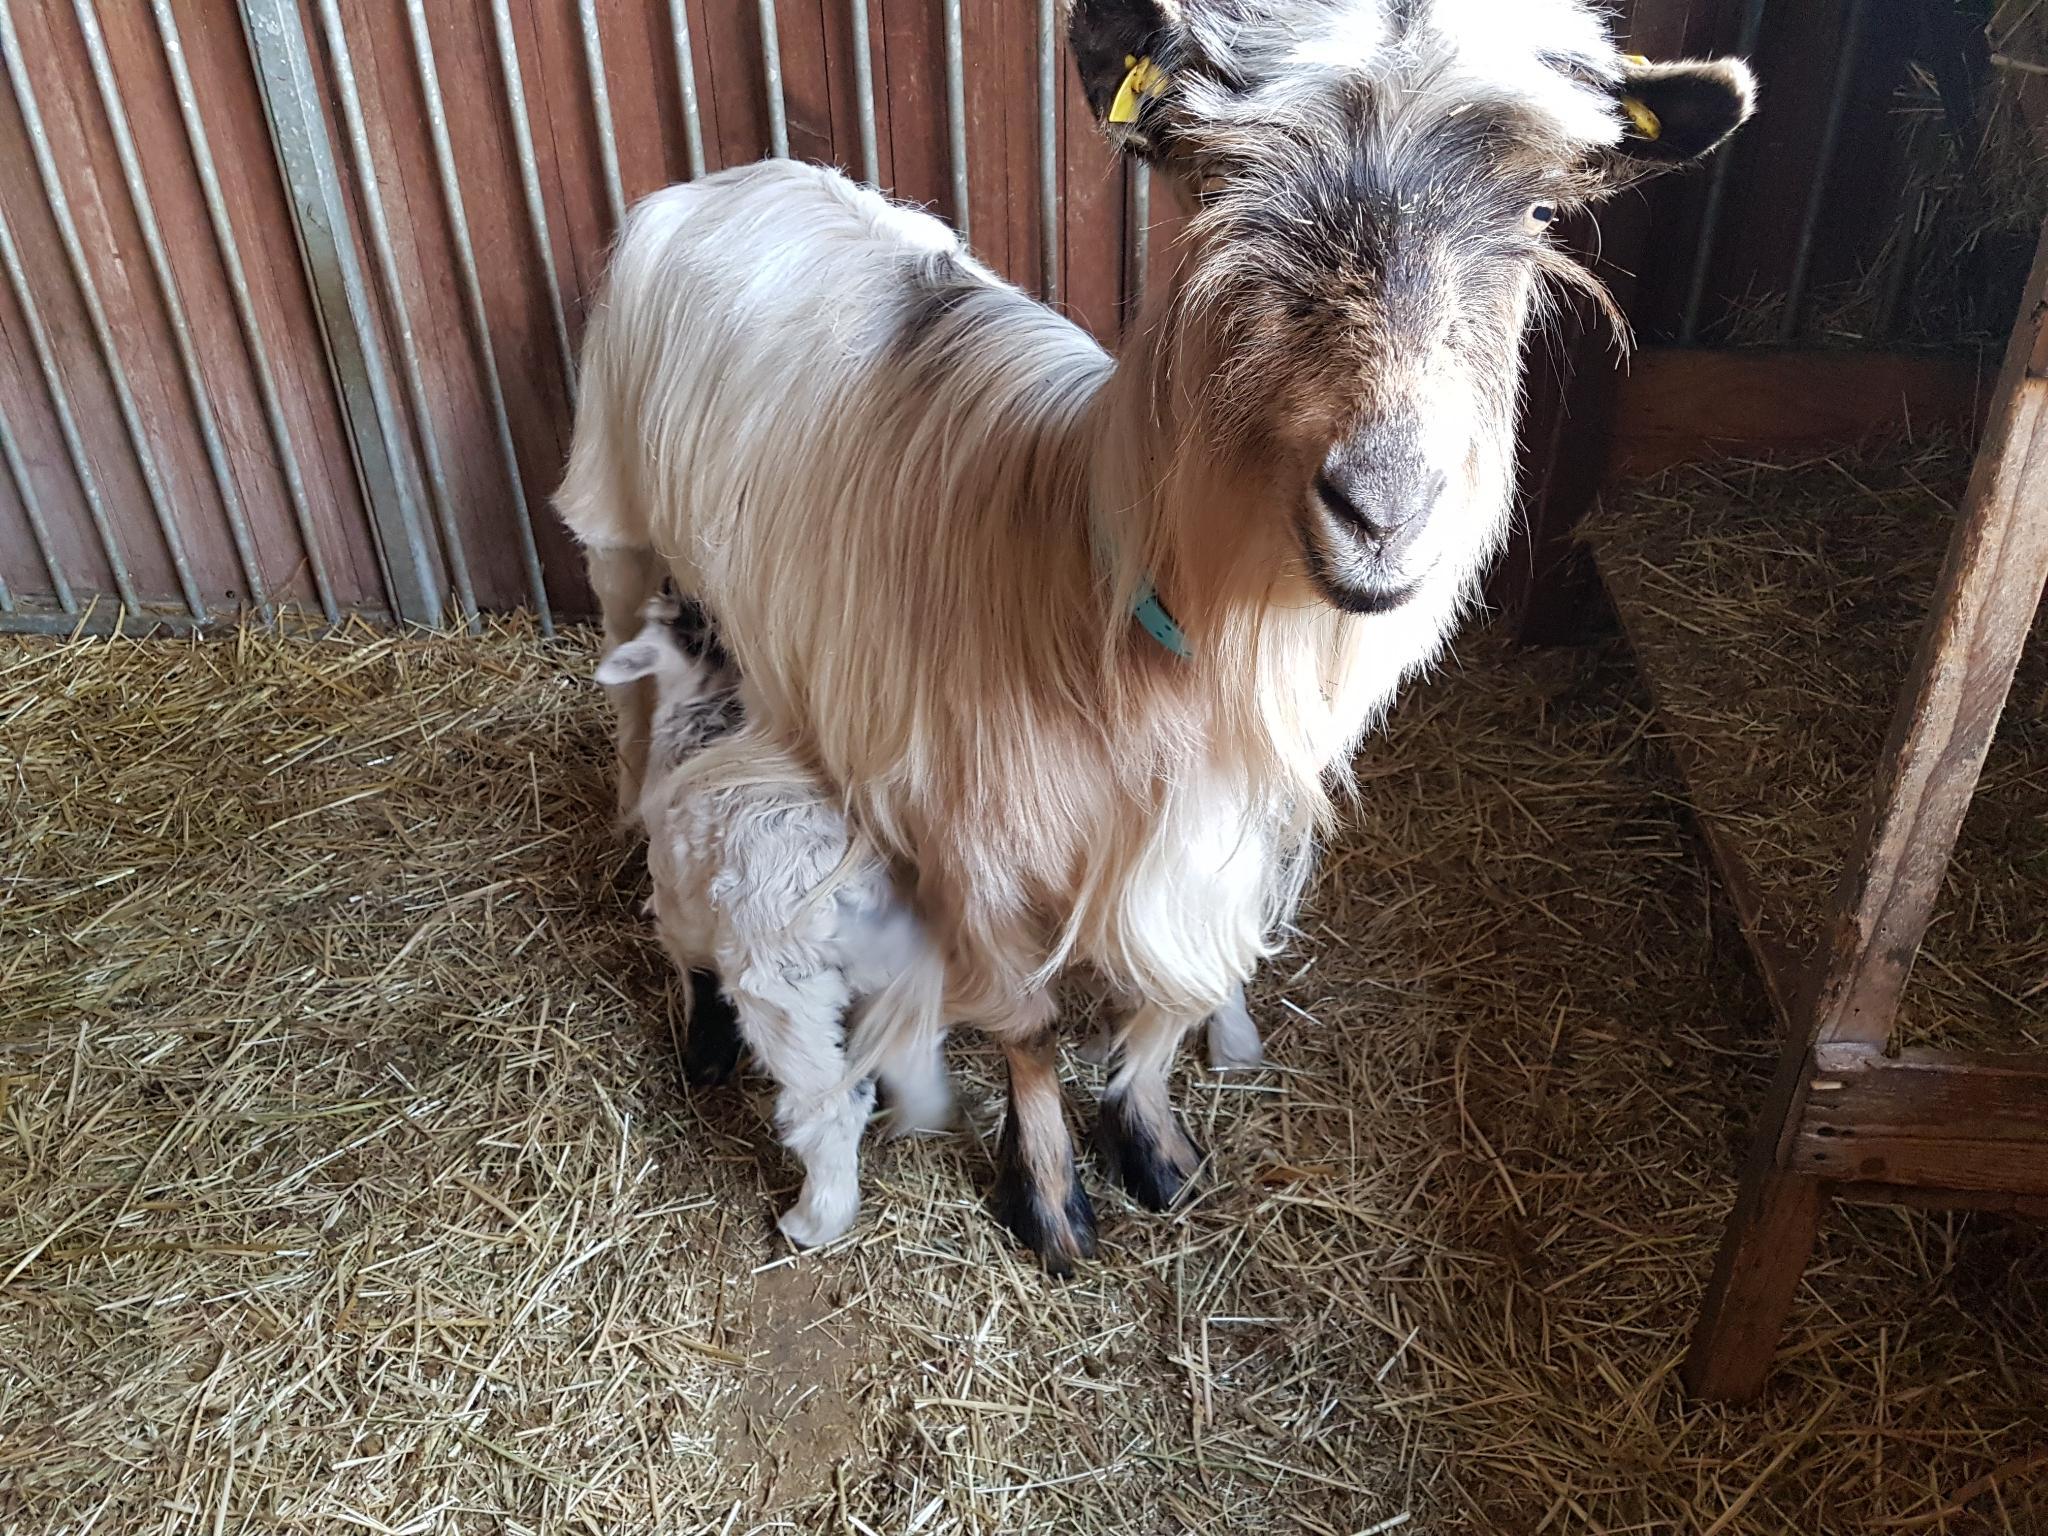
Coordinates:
[925,508]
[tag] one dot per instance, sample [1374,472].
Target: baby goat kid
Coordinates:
[758,884]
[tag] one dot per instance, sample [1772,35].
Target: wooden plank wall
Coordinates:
[816,38]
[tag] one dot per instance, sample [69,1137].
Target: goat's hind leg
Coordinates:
[1038,1193]
[1137,1133]
[624,578]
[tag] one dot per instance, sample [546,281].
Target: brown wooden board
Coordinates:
[1933,1119]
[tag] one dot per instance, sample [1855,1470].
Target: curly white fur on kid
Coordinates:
[758,883]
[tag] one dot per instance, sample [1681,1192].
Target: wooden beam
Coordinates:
[1983,608]
[1681,403]
[1928,1119]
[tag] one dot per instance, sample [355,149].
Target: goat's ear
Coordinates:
[635,659]
[1128,53]
[1675,113]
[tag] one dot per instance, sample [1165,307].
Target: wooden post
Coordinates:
[1990,586]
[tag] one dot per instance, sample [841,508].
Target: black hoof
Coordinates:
[1058,1226]
[1154,1160]
[711,1046]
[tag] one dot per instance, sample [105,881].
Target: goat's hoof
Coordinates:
[712,1062]
[1151,1156]
[813,1221]
[918,1109]
[1233,1040]
[1058,1226]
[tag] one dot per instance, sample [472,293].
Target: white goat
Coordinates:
[927,509]
[757,881]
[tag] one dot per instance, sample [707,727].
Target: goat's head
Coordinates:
[694,679]
[1372,185]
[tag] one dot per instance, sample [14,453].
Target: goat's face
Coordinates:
[1373,183]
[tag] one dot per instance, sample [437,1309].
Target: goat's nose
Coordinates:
[1387,501]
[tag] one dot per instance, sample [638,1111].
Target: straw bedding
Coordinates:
[1778,606]
[346,1183]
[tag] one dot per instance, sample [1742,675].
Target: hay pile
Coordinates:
[346,1183]
[1778,607]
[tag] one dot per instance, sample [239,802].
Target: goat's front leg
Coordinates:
[624,578]
[1038,1193]
[1137,1133]
[794,1024]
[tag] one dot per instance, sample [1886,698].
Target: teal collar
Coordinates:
[1153,618]
[1146,607]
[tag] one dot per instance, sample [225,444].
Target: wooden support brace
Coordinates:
[1837,1107]
[1928,1119]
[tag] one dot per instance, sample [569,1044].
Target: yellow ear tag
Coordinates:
[1645,120]
[1145,79]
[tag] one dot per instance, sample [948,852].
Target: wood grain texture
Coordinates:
[1677,404]
[1932,1119]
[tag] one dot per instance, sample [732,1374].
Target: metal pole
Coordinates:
[1717,194]
[292,105]
[96,315]
[372,198]
[956,116]
[1824,162]
[601,108]
[67,423]
[245,312]
[1048,155]
[864,95]
[771,64]
[686,83]
[472,290]
[17,471]
[174,306]
[529,183]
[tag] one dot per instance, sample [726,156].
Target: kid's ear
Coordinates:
[631,661]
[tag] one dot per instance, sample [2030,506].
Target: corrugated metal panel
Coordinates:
[294,303]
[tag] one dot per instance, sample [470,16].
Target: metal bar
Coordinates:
[529,182]
[96,314]
[864,95]
[6,597]
[600,106]
[1824,161]
[771,64]
[283,57]
[1048,155]
[473,292]
[1717,195]
[686,83]
[245,312]
[67,423]
[956,116]
[174,305]
[17,471]
[372,199]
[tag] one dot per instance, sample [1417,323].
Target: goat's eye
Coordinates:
[1538,218]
